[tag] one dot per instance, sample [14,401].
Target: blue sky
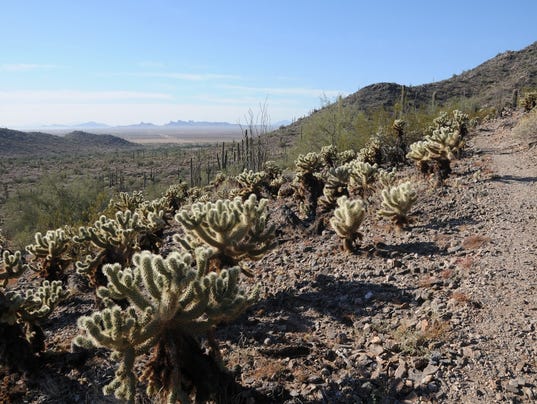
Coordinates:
[123,62]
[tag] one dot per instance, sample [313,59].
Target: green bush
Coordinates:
[50,204]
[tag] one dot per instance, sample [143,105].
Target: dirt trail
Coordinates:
[503,336]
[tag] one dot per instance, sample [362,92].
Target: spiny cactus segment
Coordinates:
[171,304]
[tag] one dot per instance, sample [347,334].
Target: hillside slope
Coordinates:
[443,312]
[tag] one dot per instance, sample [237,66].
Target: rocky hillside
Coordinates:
[18,144]
[489,84]
[442,312]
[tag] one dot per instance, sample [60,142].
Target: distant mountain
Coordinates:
[141,125]
[17,144]
[91,125]
[196,123]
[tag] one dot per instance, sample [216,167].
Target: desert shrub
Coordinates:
[50,204]
[529,101]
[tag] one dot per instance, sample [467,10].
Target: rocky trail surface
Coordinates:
[443,312]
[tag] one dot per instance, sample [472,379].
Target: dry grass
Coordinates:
[526,129]
[461,297]
[416,340]
[475,242]
[465,263]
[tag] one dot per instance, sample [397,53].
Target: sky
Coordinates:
[122,62]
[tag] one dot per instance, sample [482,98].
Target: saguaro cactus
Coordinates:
[171,305]
[348,217]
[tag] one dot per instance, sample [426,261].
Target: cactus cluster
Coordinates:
[234,229]
[21,313]
[438,149]
[171,304]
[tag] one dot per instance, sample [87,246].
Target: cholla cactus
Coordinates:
[335,186]
[361,175]
[386,178]
[125,201]
[111,241]
[346,156]
[308,182]
[329,155]
[274,177]
[272,169]
[175,196]
[397,203]
[348,217]
[53,252]
[308,163]
[171,306]
[251,182]
[419,153]
[12,266]
[20,313]
[236,230]
[372,153]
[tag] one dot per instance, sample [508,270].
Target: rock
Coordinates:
[376,340]
[430,369]
[420,363]
[401,370]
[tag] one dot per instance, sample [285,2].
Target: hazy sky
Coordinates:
[120,61]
